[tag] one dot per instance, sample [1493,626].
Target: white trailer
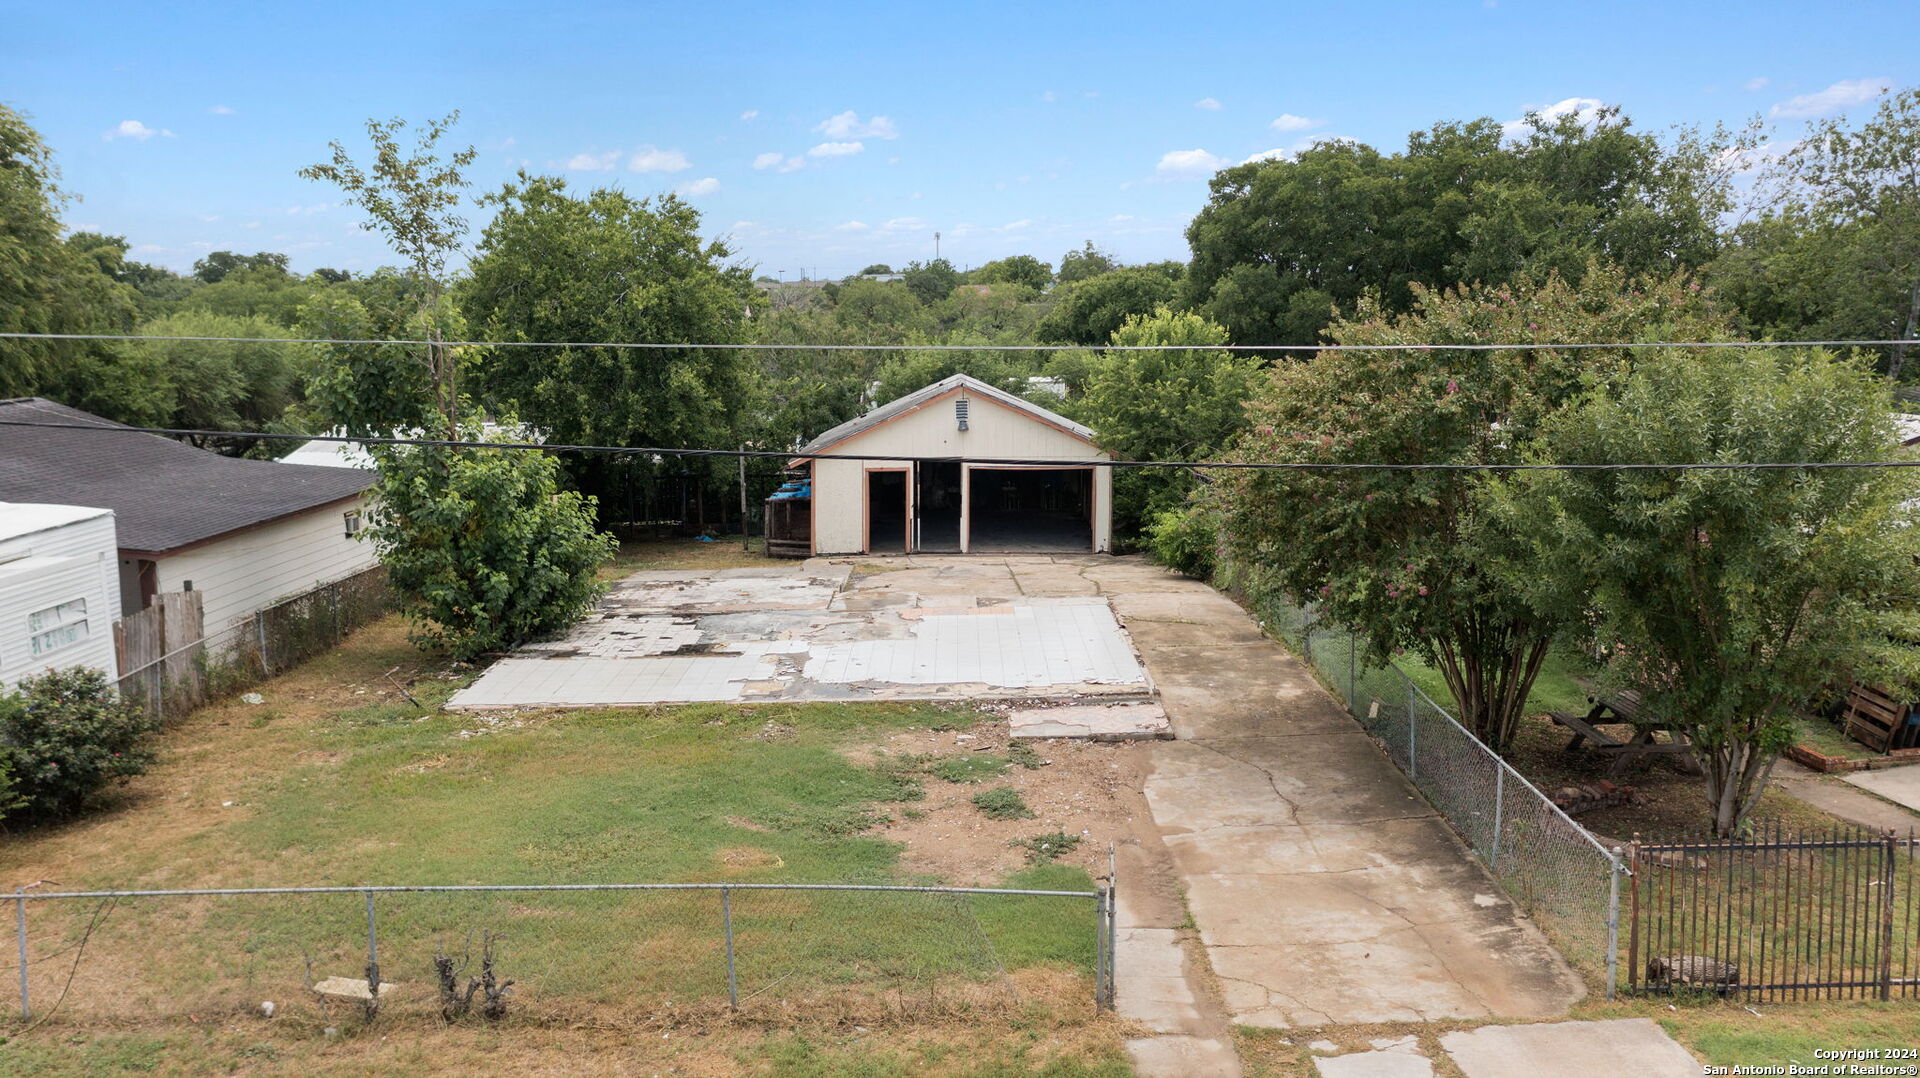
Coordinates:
[59,589]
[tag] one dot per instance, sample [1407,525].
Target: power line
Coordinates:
[662,346]
[1015,462]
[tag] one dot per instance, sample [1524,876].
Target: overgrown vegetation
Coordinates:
[66,736]
[1002,803]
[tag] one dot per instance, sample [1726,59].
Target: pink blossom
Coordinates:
[1423,589]
[1452,387]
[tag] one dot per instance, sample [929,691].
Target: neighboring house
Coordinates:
[330,455]
[59,589]
[877,506]
[244,533]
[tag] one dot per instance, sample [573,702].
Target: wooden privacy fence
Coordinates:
[159,652]
[1823,915]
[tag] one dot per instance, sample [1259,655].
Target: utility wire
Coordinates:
[1012,462]
[696,346]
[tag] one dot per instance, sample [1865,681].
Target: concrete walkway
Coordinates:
[1325,890]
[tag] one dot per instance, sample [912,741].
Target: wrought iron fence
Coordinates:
[271,641]
[1553,868]
[638,953]
[1777,916]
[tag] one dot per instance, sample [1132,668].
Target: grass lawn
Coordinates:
[338,779]
[1553,690]
[723,552]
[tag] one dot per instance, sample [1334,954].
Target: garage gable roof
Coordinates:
[927,395]
[164,494]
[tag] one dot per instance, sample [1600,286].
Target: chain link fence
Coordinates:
[1553,868]
[271,641]
[612,954]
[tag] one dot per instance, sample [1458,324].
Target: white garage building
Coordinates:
[1061,502]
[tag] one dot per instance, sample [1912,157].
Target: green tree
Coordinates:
[481,547]
[1091,311]
[254,291]
[1087,262]
[1016,269]
[412,198]
[604,266]
[366,389]
[1405,556]
[877,267]
[932,282]
[1732,600]
[50,285]
[216,385]
[1173,405]
[1835,254]
[1283,246]
[216,266]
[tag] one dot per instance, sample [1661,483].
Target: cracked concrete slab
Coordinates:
[1091,722]
[1636,1046]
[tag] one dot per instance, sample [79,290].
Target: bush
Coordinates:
[65,735]
[1183,540]
[483,550]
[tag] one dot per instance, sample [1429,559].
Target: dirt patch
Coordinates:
[1079,788]
[745,858]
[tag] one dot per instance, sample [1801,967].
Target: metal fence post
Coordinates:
[260,630]
[726,919]
[1613,922]
[1113,920]
[20,929]
[373,951]
[1413,734]
[1353,673]
[1499,809]
[1887,881]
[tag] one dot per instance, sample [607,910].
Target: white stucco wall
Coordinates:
[995,431]
[248,570]
[68,567]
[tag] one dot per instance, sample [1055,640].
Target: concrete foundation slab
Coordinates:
[1635,1046]
[1092,722]
[1389,1063]
[1900,785]
[1183,1057]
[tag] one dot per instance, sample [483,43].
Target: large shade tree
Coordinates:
[1733,600]
[1283,245]
[1403,556]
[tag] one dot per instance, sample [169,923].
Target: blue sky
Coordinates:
[821,138]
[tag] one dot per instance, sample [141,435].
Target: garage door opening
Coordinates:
[1030,509]
[887,511]
[936,506]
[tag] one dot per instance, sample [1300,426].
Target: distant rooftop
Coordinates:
[164,494]
[924,394]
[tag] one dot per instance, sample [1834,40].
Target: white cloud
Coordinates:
[750,114]
[1049,97]
[792,163]
[251,224]
[308,211]
[849,126]
[905,224]
[768,159]
[221,110]
[1269,155]
[1183,163]
[1211,104]
[1119,218]
[649,159]
[1585,109]
[851,226]
[835,149]
[594,162]
[705,186]
[1834,98]
[1015,226]
[148,249]
[209,218]
[135,130]
[1757,83]
[1287,121]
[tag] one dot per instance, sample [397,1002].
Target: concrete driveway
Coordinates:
[901,628]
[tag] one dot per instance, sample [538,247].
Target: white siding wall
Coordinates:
[249,570]
[69,562]
[995,431]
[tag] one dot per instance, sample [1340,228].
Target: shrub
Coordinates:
[65,735]
[1183,540]
[1044,848]
[1002,803]
[974,768]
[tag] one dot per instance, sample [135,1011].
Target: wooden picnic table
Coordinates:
[1621,709]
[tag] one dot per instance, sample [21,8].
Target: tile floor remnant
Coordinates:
[1143,721]
[823,631]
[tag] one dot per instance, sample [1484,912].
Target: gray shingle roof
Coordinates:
[164,494]
[926,393]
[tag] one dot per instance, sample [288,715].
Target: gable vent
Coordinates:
[960,412]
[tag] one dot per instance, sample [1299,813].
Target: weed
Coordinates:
[1044,848]
[977,767]
[1025,755]
[1002,803]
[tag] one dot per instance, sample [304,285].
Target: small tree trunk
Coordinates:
[1900,350]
